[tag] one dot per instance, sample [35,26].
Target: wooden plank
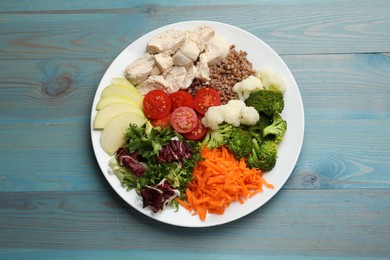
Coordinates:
[56,157]
[59,157]
[343,154]
[338,152]
[290,28]
[49,91]
[40,6]
[352,86]
[340,223]
[332,87]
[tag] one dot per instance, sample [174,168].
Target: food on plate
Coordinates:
[163,122]
[247,86]
[263,155]
[122,91]
[192,123]
[222,77]
[140,69]
[206,98]
[267,101]
[187,54]
[156,154]
[168,41]
[103,102]
[112,137]
[216,138]
[219,180]
[217,49]
[157,104]
[184,120]
[197,133]
[120,104]
[181,99]
[272,80]
[277,128]
[235,113]
[240,142]
[173,59]
[104,115]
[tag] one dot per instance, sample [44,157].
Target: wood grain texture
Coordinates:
[355,86]
[45,107]
[59,157]
[289,27]
[49,91]
[338,223]
[56,204]
[350,86]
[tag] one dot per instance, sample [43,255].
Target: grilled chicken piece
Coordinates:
[151,83]
[217,49]
[155,71]
[203,70]
[164,61]
[140,69]
[187,54]
[191,74]
[175,58]
[170,41]
[200,35]
[175,77]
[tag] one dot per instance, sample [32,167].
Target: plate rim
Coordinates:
[135,205]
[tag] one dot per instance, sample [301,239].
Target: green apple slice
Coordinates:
[103,102]
[122,82]
[116,90]
[107,113]
[113,137]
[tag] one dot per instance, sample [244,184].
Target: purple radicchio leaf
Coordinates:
[131,161]
[158,196]
[175,150]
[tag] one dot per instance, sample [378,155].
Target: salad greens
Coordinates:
[158,162]
[151,157]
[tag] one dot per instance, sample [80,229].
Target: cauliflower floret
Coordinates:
[235,112]
[234,103]
[233,116]
[249,116]
[213,117]
[245,87]
[271,80]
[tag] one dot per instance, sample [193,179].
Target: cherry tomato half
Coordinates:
[164,122]
[181,99]
[184,119]
[157,104]
[197,133]
[205,98]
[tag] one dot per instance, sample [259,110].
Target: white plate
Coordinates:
[261,56]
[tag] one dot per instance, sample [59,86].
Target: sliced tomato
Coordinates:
[197,133]
[157,104]
[181,99]
[164,122]
[205,98]
[184,119]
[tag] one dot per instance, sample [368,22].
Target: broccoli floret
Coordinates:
[218,137]
[240,142]
[268,101]
[264,121]
[257,130]
[263,155]
[277,129]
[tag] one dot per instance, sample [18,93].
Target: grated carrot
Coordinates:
[219,180]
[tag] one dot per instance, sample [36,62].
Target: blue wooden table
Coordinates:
[56,204]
